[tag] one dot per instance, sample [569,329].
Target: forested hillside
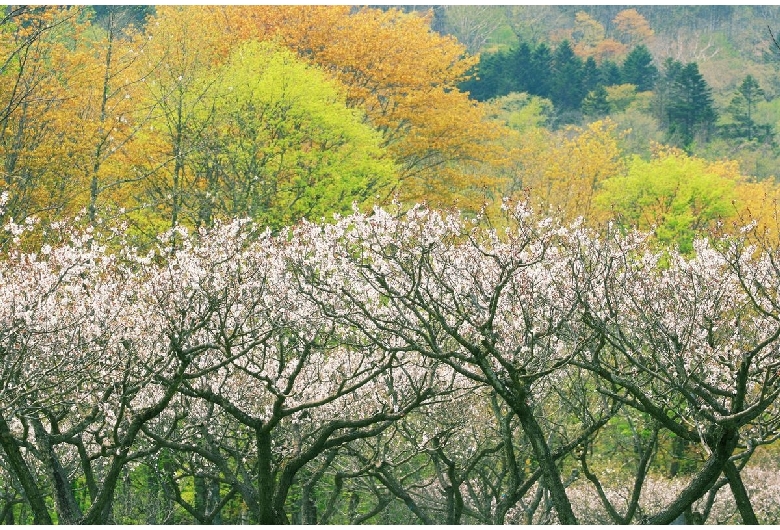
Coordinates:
[170,116]
[332,264]
[703,78]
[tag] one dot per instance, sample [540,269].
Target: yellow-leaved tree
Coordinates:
[563,170]
[183,46]
[40,126]
[70,94]
[757,202]
[112,109]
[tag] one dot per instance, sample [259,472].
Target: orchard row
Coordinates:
[388,367]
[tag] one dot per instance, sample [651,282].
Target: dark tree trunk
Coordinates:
[215,499]
[265,479]
[551,476]
[740,493]
[19,466]
[703,481]
[68,511]
[200,500]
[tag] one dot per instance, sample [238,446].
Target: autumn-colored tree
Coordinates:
[65,128]
[244,130]
[404,76]
[590,39]
[758,203]
[609,50]
[184,46]
[632,28]
[393,67]
[588,33]
[111,113]
[40,133]
[564,170]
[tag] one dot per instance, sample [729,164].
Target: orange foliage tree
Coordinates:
[40,137]
[64,127]
[404,76]
[632,28]
[111,108]
[590,40]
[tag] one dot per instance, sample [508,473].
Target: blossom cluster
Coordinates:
[236,341]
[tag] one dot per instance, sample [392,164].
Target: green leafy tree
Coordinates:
[522,111]
[674,195]
[663,91]
[492,77]
[539,83]
[285,146]
[596,103]
[591,75]
[567,78]
[610,73]
[522,64]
